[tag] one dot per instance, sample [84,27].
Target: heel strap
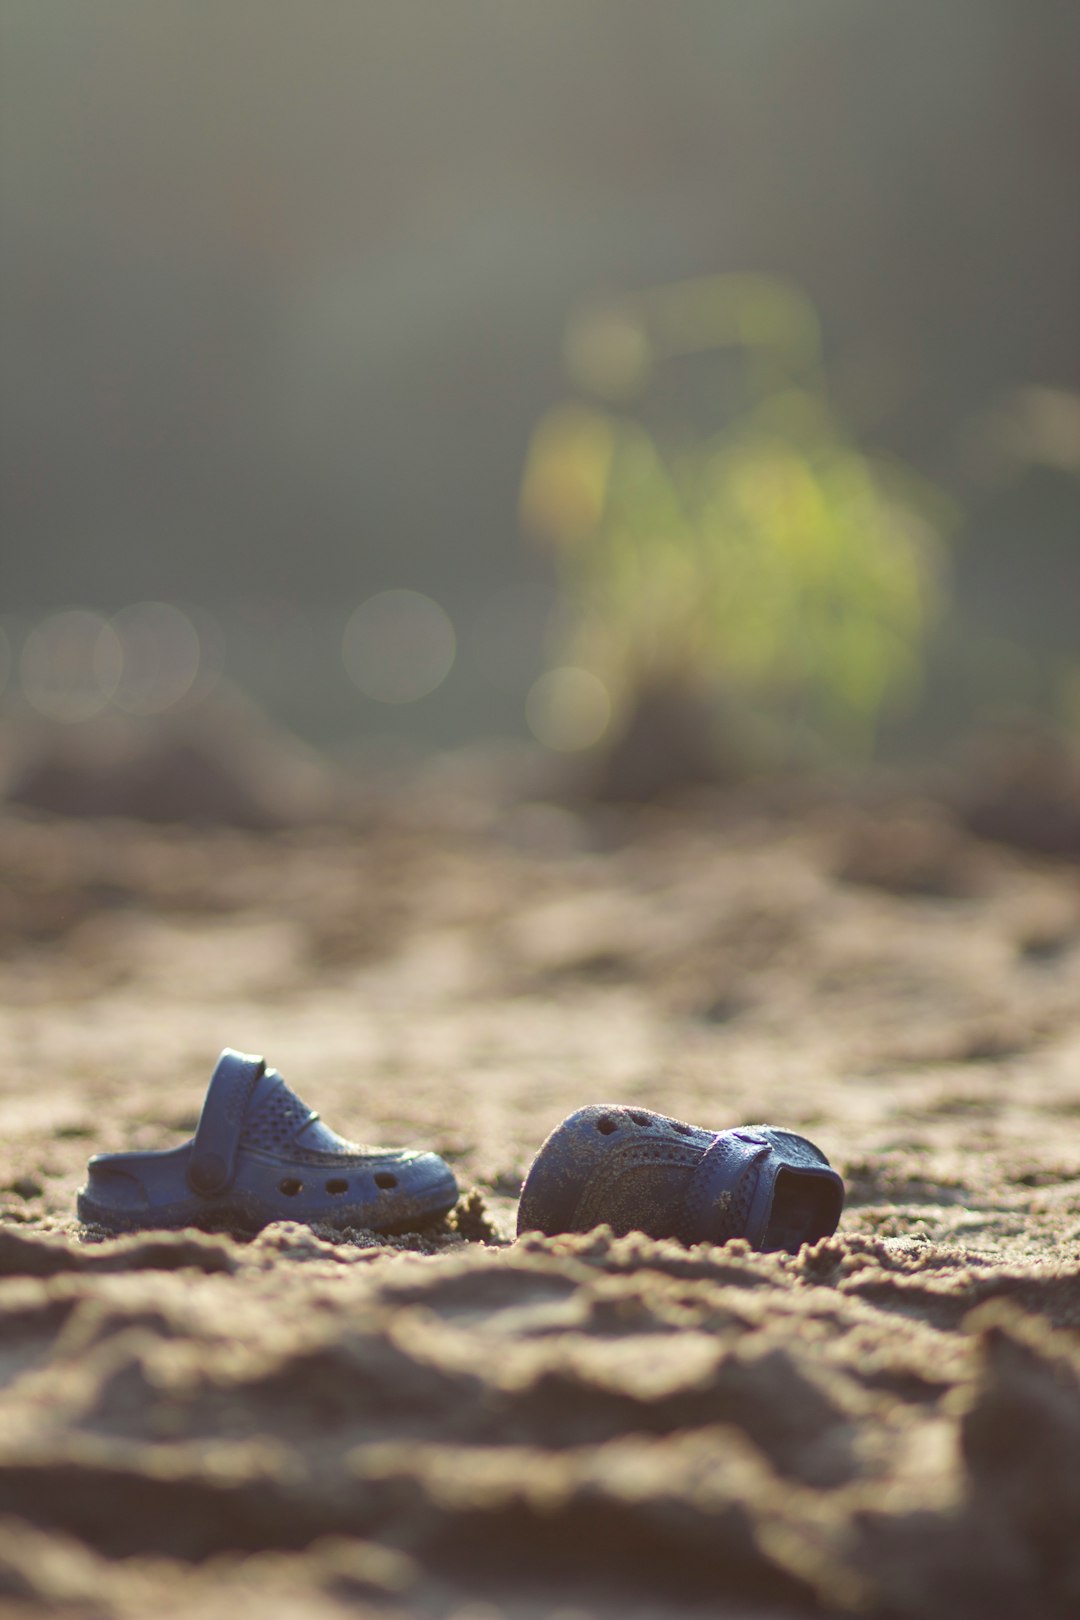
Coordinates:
[217,1137]
[720,1200]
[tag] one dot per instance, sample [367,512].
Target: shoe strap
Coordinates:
[217,1136]
[723,1199]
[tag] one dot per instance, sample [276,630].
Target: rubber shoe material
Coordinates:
[634,1170]
[258,1155]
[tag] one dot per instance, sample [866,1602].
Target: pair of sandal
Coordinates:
[259,1154]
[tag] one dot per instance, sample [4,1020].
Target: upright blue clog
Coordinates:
[259,1154]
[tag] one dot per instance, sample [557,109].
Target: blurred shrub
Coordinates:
[760,558]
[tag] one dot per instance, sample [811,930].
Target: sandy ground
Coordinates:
[457,1424]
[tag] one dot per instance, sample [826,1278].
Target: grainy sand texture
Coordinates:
[323,1425]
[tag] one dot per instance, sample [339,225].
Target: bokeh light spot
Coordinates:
[568,709]
[71,665]
[161,657]
[398,646]
[608,352]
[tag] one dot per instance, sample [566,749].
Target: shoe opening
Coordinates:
[806,1206]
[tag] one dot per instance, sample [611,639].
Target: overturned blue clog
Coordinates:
[637,1171]
[258,1155]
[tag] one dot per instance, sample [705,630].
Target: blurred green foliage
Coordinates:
[764,557]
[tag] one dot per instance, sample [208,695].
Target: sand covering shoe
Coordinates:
[258,1155]
[634,1170]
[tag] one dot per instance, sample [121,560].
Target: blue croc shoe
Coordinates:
[637,1171]
[258,1155]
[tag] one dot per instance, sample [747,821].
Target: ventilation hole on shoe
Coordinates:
[385,1179]
[605,1125]
[640,1119]
[337,1186]
[290,1187]
[683,1130]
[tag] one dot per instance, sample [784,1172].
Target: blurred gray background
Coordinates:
[283,288]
